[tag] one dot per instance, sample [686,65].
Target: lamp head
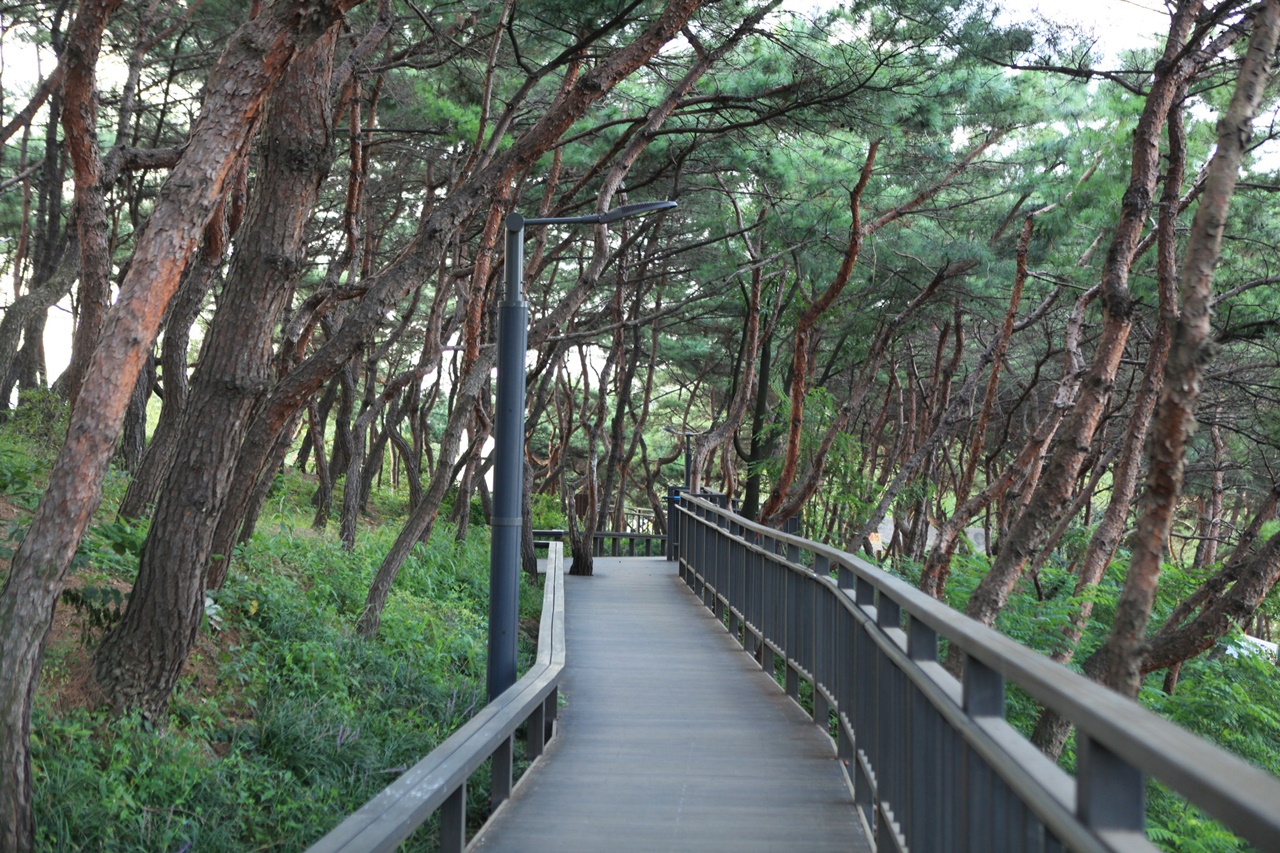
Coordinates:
[636,209]
[515,221]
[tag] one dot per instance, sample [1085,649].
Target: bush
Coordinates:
[547,513]
[40,417]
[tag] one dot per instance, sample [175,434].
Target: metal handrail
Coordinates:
[932,761]
[439,781]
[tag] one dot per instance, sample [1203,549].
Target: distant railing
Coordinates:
[636,520]
[614,543]
[439,781]
[628,544]
[932,761]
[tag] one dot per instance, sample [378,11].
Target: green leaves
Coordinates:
[99,607]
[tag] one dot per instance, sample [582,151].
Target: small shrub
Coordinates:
[15,471]
[41,417]
[547,513]
[114,547]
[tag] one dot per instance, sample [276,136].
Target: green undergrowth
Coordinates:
[286,720]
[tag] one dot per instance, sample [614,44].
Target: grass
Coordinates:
[286,719]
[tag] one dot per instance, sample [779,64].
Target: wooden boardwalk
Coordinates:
[671,738]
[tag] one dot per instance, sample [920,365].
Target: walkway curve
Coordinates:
[671,738]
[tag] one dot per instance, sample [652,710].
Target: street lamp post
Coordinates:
[508,436]
[673,493]
[687,436]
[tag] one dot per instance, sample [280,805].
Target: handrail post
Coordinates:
[453,821]
[1110,792]
[821,639]
[924,767]
[673,523]
[501,766]
[536,734]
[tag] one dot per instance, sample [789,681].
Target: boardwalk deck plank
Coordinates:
[671,738]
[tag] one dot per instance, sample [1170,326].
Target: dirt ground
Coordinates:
[66,679]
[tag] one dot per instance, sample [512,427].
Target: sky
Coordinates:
[1117,24]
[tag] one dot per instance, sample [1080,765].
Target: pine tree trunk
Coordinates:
[80,122]
[1192,348]
[180,318]
[140,659]
[234,93]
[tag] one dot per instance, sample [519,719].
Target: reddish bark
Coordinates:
[1124,477]
[1191,350]
[254,59]
[1052,493]
[933,576]
[784,501]
[804,331]
[80,121]
[140,659]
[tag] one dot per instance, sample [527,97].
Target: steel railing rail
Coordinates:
[439,781]
[932,762]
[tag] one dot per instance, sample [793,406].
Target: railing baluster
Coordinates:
[1111,793]
[673,524]
[983,697]
[724,551]
[700,552]
[864,592]
[733,593]
[820,637]
[751,586]
[769,624]
[501,767]
[888,612]
[453,822]
[536,733]
[790,633]
[983,690]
